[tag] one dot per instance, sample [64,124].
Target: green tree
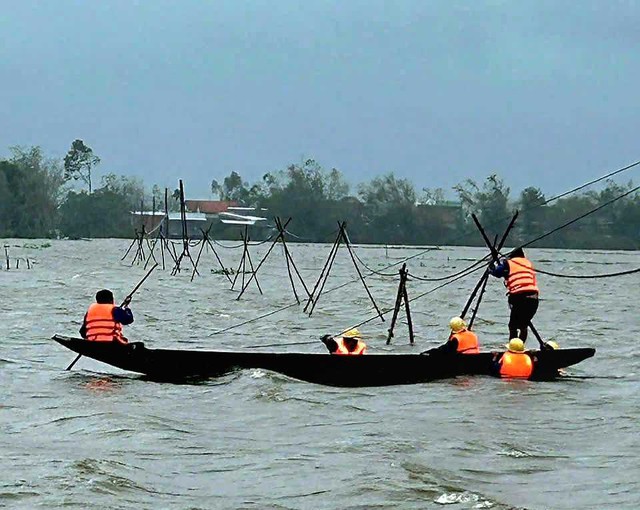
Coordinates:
[432,196]
[79,162]
[104,213]
[579,234]
[31,185]
[387,191]
[389,210]
[6,201]
[335,185]
[532,217]
[216,189]
[234,188]
[131,189]
[157,194]
[313,197]
[490,202]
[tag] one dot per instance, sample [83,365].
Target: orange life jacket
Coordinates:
[361,347]
[516,364]
[467,342]
[100,324]
[522,277]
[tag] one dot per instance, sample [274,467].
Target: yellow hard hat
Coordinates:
[553,345]
[352,333]
[515,345]
[457,324]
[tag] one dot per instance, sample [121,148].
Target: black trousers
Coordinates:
[523,308]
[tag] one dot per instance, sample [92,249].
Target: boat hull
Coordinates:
[331,370]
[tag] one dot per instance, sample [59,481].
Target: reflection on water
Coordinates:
[101,384]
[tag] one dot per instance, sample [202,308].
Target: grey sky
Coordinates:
[541,92]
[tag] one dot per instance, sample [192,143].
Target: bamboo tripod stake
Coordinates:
[400,297]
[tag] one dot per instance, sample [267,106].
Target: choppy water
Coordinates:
[99,438]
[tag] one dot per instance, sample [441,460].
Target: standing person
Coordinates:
[350,343]
[515,363]
[103,321]
[522,289]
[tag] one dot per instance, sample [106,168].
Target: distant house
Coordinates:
[200,215]
[211,208]
[196,223]
[243,216]
[152,221]
[227,211]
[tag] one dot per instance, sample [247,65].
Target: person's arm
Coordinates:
[122,315]
[449,347]
[330,343]
[497,363]
[501,270]
[83,328]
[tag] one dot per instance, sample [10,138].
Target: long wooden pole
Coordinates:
[407,309]
[253,275]
[396,308]
[334,247]
[332,257]
[495,255]
[353,258]
[485,275]
[126,300]
[248,255]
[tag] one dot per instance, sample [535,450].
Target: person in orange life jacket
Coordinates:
[522,289]
[349,344]
[461,340]
[515,363]
[103,321]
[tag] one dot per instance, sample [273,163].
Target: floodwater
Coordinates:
[96,437]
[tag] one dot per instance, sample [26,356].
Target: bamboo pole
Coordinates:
[396,308]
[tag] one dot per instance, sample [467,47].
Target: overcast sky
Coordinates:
[544,93]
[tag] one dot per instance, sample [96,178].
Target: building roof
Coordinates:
[173,216]
[209,206]
[189,216]
[147,213]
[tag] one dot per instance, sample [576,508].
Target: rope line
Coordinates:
[255,243]
[373,271]
[589,276]
[610,174]
[609,202]
[415,298]
[443,278]
[382,274]
[586,277]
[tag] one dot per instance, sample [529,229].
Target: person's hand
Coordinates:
[127,300]
[326,338]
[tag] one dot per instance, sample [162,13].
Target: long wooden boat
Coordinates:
[321,368]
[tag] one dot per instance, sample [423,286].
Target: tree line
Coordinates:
[36,200]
